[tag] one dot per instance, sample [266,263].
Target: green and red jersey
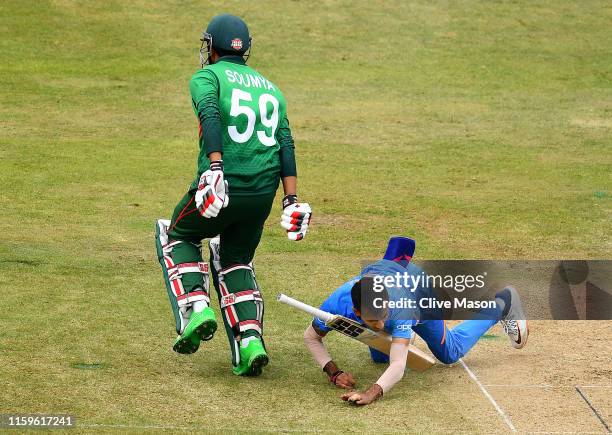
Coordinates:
[250,112]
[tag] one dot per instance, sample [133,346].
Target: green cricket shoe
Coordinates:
[201,326]
[253,358]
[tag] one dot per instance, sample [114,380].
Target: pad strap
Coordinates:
[189,298]
[228,300]
[178,270]
[167,247]
[247,325]
[242,296]
[235,267]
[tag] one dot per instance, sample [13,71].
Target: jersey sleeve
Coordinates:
[336,303]
[204,89]
[328,306]
[287,149]
[402,328]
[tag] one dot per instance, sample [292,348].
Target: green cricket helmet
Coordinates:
[228,35]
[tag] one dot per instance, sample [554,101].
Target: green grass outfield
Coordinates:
[481,128]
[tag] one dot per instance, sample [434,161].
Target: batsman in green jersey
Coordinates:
[246,149]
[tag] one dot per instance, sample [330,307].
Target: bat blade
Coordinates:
[380,340]
[417,359]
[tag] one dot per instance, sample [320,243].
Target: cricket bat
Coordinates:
[380,340]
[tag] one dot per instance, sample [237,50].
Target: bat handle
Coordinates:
[315,312]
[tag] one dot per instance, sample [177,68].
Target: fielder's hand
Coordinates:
[342,379]
[295,218]
[211,195]
[365,397]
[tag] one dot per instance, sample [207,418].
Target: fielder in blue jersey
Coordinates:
[447,345]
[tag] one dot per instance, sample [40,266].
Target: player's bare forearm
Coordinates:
[290,185]
[215,156]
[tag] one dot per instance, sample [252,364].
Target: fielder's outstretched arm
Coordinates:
[313,339]
[397,364]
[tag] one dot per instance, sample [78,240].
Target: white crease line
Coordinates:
[543,386]
[520,386]
[488,396]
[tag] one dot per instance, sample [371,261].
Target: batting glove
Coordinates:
[295,218]
[212,193]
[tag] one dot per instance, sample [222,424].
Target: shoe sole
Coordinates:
[524,337]
[206,330]
[515,294]
[186,346]
[257,365]
[203,332]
